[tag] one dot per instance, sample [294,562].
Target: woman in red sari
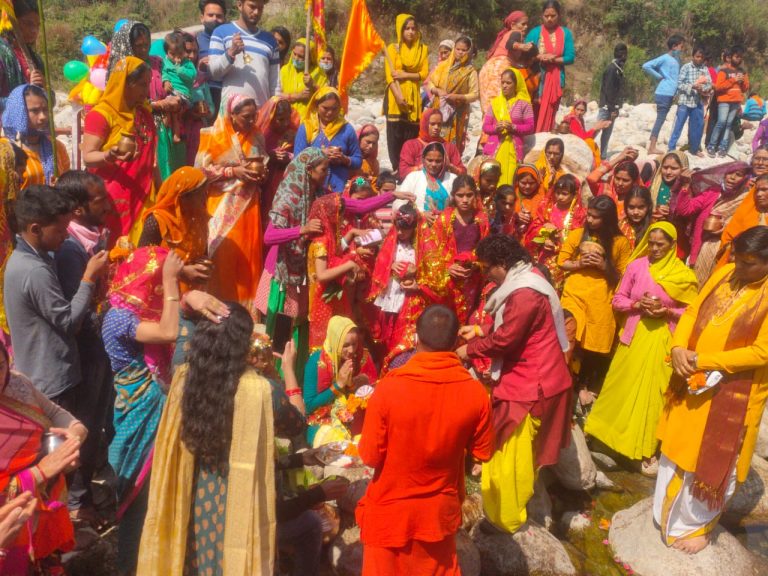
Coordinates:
[457,231]
[554,219]
[277,122]
[429,131]
[26,416]
[368,137]
[556,51]
[529,194]
[128,176]
[624,175]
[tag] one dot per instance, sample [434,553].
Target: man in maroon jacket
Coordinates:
[525,339]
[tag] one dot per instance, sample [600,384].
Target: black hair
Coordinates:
[355,187]
[137,31]
[568,182]
[41,205]
[35,90]
[629,167]
[76,184]
[649,169]
[218,353]
[285,34]
[407,209]
[620,50]
[190,38]
[519,37]
[329,48]
[645,195]
[24,7]
[674,40]
[141,69]
[511,74]
[386,177]
[433,147]
[501,250]
[406,24]
[501,194]
[20,157]
[552,4]
[437,328]
[174,41]
[699,48]
[544,272]
[737,49]
[761,178]
[464,40]
[607,232]
[463,181]
[203,3]
[726,53]
[752,241]
[330,95]
[556,142]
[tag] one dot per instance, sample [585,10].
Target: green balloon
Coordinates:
[74,70]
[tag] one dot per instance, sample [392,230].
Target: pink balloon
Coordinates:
[99,78]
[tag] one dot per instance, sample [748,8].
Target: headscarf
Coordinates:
[658,184]
[411,57]
[450,44]
[572,112]
[745,217]
[16,127]
[222,140]
[339,328]
[714,177]
[532,202]
[312,121]
[366,130]
[501,107]
[290,208]
[452,74]
[424,126]
[292,80]
[266,118]
[512,18]
[138,283]
[480,165]
[112,104]
[120,46]
[185,233]
[677,280]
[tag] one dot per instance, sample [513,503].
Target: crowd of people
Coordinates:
[231,265]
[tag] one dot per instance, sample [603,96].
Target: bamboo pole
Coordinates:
[395,85]
[307,48]
[51,95]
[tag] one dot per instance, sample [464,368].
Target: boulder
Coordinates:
[346,553]
[637,542]
[574,522]
[540,505]
[604,461]
[761,449]
[578,160]
[575,469]
[469,555]
[604,483]
[749,504]
[531,551]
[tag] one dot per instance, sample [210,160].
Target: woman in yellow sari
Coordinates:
[402,101]
[653,294]
[507,120]
[550,164]
[212,493]
[455,86]
[297,86]
[226,156]
[708,435]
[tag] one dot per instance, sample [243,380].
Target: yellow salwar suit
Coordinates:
[587,294]
[250,523]
[683,422]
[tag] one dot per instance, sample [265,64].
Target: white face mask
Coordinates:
[326,66]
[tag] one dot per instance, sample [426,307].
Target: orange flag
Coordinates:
[361,46]
[318,23]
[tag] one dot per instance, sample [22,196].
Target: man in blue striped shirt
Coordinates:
[245,58]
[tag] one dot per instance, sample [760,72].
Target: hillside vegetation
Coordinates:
[597,26]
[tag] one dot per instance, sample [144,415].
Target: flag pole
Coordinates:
[395,86]
[307,48]
[50,94]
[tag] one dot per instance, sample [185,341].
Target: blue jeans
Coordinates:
[605,135]
[663,104]
[695,118]
[726,112]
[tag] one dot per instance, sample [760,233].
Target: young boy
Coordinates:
[665,69]
[179,74]
[611,90]
[43,323]
[693,85]
[731,87]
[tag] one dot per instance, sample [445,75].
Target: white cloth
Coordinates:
[416,183]
[687,514]
[392,299]
[522,276]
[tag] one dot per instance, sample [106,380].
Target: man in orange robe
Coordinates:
[420,422]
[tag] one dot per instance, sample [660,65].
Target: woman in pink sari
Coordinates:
[26,416]
[556,51]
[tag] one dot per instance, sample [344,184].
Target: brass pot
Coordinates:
[714,224]
[256,164]
[127,143]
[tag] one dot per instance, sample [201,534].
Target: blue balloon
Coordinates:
[92,46]
[119,24]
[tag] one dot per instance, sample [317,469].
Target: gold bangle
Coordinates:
[171,298]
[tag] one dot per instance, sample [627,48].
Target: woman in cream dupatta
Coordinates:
[208,511]
[234,201]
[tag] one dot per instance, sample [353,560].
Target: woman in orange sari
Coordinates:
[26,417]
[529,195]
[368,137]
[753,211]
[226,155]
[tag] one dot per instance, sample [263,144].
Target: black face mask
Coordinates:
[210,27]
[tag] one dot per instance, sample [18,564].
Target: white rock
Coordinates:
[578,160]
[575,469]
[605,462]
[574,521]
[346,553]
[637,542]
[749,504]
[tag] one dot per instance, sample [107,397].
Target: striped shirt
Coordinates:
[260,78]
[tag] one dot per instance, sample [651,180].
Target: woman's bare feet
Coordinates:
[692,545]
